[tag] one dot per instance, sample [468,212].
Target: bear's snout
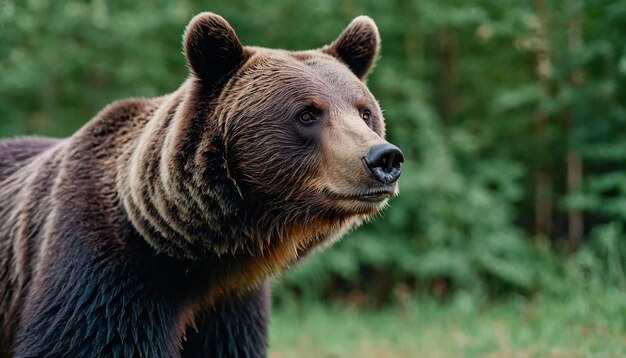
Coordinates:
[384,161]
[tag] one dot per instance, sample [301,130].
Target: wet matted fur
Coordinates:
[152,230]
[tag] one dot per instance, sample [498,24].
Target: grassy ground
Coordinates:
[581,325]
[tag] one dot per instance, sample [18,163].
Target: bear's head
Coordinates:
[286,149]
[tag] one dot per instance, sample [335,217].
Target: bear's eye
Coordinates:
[307,117]
[366,115]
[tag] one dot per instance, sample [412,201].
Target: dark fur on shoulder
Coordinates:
[152,230]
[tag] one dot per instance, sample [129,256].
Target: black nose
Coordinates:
[384,162]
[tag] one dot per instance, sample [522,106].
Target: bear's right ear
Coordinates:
[212,48]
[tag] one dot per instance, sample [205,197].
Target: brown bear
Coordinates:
[151,231]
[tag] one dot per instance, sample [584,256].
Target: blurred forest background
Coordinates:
[509,234]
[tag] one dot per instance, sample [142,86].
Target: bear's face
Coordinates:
[303,136]
[305,123]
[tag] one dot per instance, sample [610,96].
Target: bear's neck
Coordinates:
[173,184]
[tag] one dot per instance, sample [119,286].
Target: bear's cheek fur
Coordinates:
[270,165]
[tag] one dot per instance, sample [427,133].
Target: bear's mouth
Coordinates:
[370,196]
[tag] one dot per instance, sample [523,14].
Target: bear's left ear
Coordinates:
[357,46]
[212,48]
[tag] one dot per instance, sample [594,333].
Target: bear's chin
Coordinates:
[362,206]
[367,203]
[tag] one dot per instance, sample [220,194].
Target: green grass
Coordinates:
[580,325]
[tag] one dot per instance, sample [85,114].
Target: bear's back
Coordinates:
[14,153]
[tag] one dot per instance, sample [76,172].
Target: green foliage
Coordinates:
[601,262]
[481,96]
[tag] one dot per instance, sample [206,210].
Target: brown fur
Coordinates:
[219,178]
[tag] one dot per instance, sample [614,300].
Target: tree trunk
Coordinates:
[447,80]
[544,204]
[575,223]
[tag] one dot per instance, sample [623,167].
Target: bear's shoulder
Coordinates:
[14,153]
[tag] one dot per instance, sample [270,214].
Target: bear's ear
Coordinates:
[357,46]
[212,48]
